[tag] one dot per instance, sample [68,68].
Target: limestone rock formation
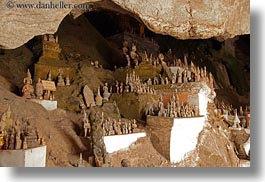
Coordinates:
[18,25]
[182,19]
[192,19]
[213,149]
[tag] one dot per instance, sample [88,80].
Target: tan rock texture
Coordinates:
[183,19]
[186,19]
[18,25]
[160,134]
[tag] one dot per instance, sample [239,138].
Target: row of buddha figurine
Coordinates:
[221,106]
[134,58]
[175,109]
[29,92]
[103,95]
[111,126]
[50,38]
[13,136]
[61,82]
[241,118]
[96,64]
[186,73]
[130,55]
[133,86]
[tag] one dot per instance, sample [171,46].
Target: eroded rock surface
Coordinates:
[182,19]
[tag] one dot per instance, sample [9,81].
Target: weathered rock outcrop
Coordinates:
[183,19]
[214,149]
[186,19]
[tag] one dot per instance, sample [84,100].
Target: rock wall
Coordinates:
[183,19]
[160,134]
[186,19]
[214,149]
[134,106]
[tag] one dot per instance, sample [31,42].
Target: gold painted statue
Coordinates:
[2,139]
[6,120]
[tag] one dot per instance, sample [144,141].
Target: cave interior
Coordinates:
[92,27]
[99,35]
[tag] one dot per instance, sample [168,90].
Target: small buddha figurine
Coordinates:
[18,142]
[49,76]
[67,80]
[42,141]
[185,79]
[6,118]
[2,140]
[11,145]
[28,78]
[98,99]
[179,80]
[25,144]
[96,64]
[125,49]
[39,89]
[241,112]
[81,161]
[60,82]
[86,124]
[45,37]
[134,125]
[51,38]
[106,93]
[134,55]
[26,91]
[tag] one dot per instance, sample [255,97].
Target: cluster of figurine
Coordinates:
[196,74]
[15,136]
[222,108]
[61,82]
[132,56]
[29,92]
[106,95]
[241,117]
[96,64]
[176,110]
[190,73]
[184,74]
[114,127]
[133,84]
[50,38]
[110,126]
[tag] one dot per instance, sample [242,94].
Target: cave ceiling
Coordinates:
[182,19]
